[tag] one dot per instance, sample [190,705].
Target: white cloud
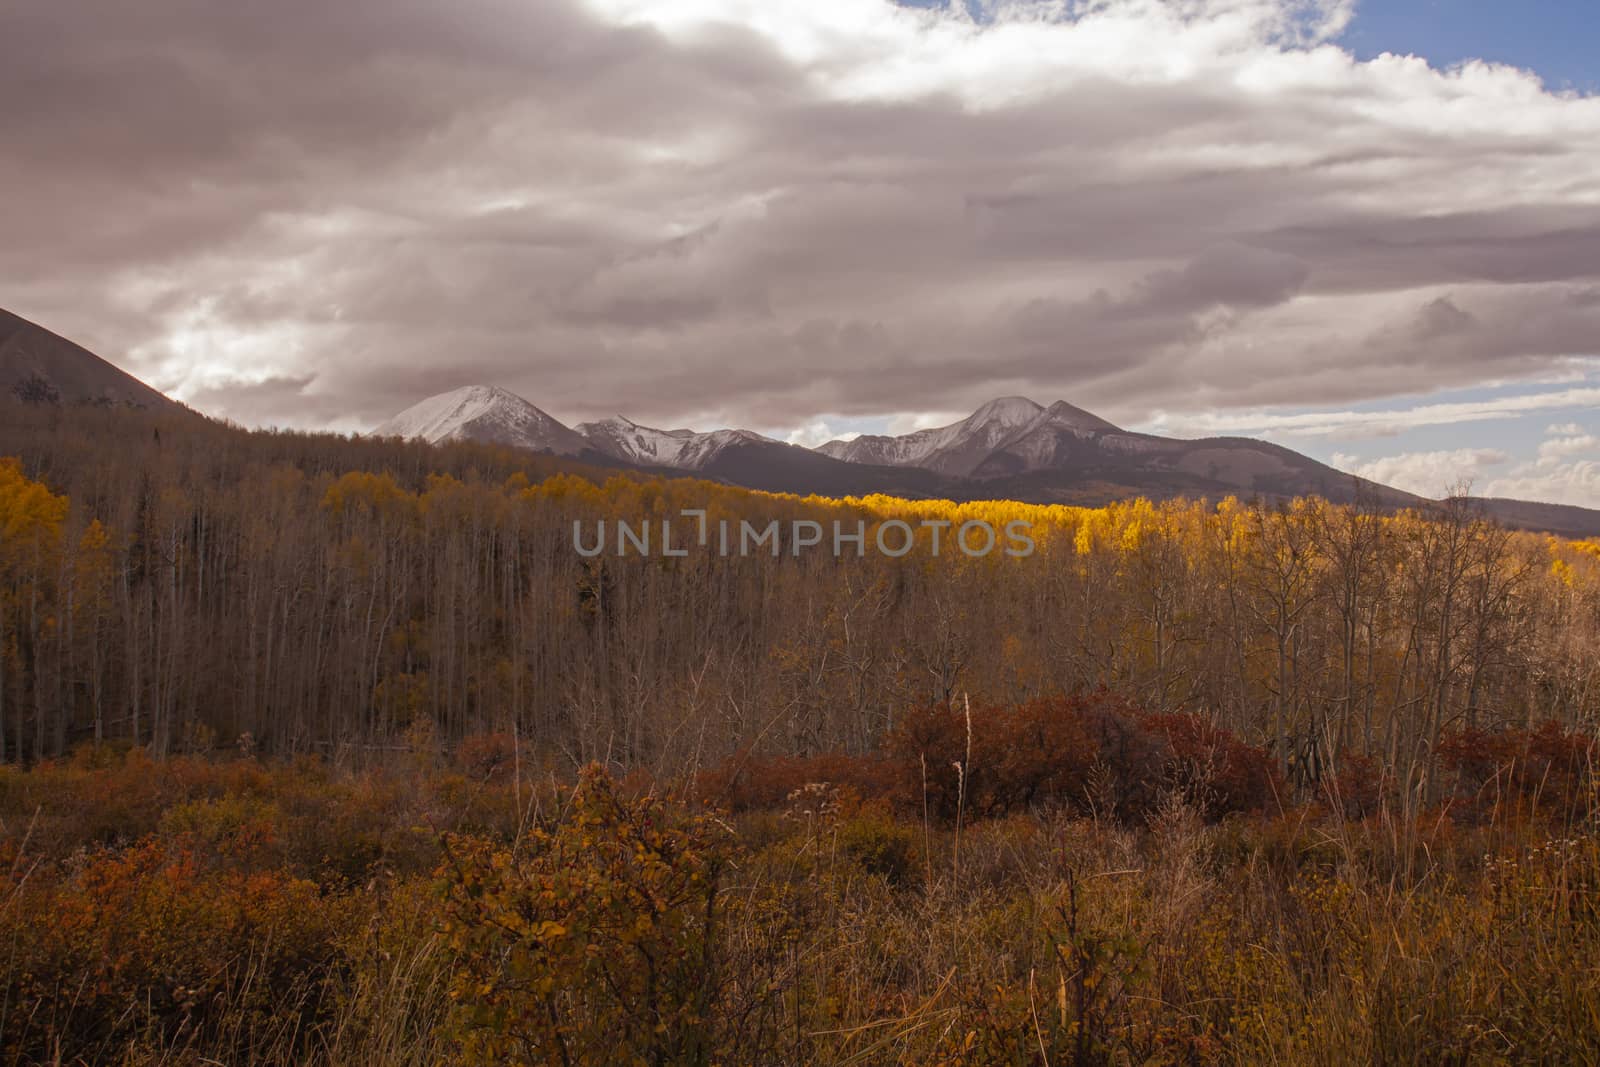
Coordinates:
[778,208]
[1429,474]
[910,422]
[1571,483]
[1557,449]
[816,433]
[1349,423]
[1566,470]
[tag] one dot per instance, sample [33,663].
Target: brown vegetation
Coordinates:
[430,912]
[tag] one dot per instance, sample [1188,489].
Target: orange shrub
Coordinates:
[594,943]
[152,944]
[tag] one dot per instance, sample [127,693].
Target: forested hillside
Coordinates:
[185,585]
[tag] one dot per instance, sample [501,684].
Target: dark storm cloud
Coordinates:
[317,213]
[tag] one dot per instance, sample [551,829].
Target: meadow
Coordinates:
[1129,888]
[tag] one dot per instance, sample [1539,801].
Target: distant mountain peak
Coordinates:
[487,413]
[1017,410]
[961,447]
[625,424]
[1062,413]
[1009,448]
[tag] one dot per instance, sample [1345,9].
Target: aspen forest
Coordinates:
[334,750]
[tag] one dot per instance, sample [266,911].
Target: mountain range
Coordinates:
[493,415]
[1010,448]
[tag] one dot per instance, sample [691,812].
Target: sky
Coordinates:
[1368,231]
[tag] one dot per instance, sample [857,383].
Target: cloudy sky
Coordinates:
[1370,231]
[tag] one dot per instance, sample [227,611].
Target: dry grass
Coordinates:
[246,913]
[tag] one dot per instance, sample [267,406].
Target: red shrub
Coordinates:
[1082,752]
[489,757]
[1547,770]
[1359,788]
[1218,772]
[746,782]
[1090,753]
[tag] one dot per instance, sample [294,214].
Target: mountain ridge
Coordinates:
[632,442]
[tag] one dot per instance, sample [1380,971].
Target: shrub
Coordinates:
[154,945]
[1011,758]
[1213,769]
[747,782]
[880,845]
[594,942]
[1547,770]
[1360,787]
[490,757]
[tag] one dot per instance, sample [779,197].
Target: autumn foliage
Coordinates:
[1092,754]
[593,939]
[1550,768]
[187,588]
[234,910]
[161,944]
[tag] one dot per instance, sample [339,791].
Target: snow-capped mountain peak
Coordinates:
[1015,411]
[485,413]
[962,447]
[623,424]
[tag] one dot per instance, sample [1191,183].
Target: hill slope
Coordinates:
[40,367]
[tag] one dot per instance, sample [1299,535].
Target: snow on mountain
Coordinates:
[626,440]
[961,447]
[952,449]
[1005,436]
[1063,415]
[484,413]
[1010,448]
[1058,436]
